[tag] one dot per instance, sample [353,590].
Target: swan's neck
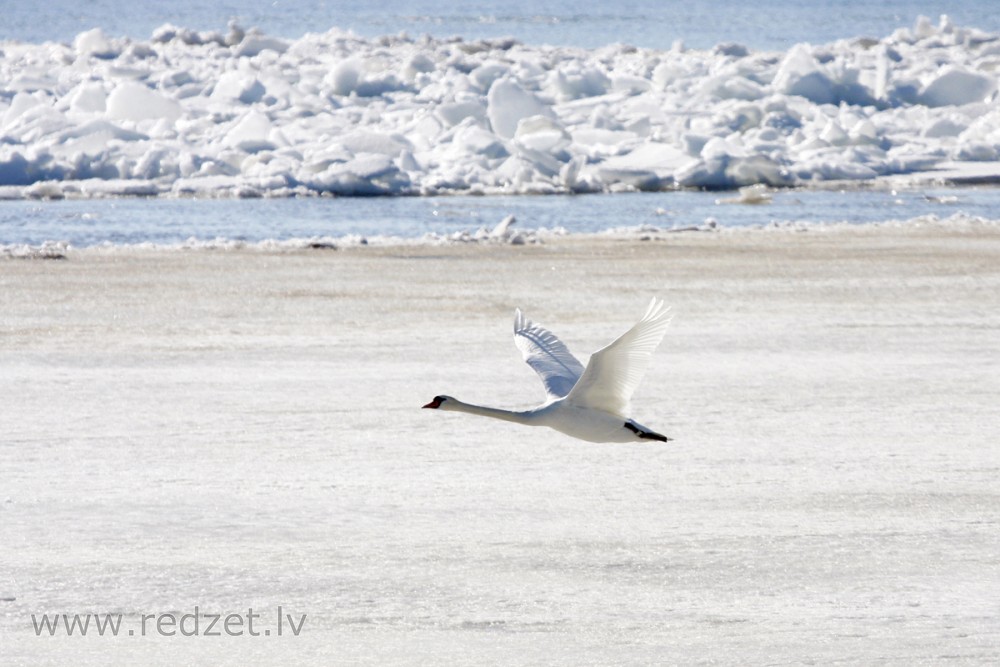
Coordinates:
[523,417]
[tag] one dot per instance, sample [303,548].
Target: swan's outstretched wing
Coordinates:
[547,355]
[615,370]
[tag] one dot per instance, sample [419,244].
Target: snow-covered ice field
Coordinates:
[237,429]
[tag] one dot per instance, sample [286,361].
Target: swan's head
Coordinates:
[441,403]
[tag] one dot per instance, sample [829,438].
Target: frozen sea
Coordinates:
[235,111]
[219,432]
[277,239]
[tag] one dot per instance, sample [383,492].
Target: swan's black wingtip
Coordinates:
[646,435]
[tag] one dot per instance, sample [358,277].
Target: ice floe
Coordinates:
[190,113]
[47,250]
[755,194]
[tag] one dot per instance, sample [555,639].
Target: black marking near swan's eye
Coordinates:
[436,403]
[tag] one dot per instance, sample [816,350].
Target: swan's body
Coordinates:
[589,403]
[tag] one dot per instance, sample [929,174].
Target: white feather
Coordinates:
[547,355]
[614,371]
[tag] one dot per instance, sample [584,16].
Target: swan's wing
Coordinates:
[547,355]
[615,370]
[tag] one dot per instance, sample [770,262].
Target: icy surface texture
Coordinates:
[245,114]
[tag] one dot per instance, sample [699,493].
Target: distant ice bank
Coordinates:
[245,114]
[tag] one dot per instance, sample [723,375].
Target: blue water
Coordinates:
[649,23]
[127,221]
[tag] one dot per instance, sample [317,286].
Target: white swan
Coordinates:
[589,403]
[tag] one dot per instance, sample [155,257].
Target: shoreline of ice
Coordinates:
[503,234]
[188,114]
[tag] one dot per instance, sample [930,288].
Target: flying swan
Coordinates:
[589,403]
